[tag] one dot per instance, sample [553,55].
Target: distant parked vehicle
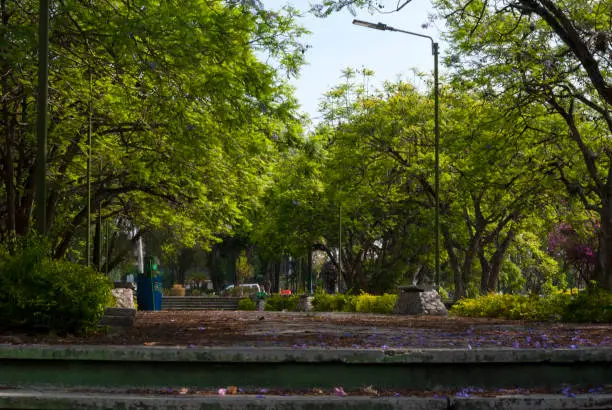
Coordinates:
[243,288]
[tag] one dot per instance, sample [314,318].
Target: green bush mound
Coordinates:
[590,305]
[53,295]
[333,303]
[363,303]
[278,303]
[246,304]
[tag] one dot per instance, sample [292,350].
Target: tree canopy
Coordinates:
[185,115]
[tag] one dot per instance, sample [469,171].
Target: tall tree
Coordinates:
[557,54]
[183,113]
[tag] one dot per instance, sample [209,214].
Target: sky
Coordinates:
[337,44]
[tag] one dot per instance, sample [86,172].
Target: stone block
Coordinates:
[120,312]
[416,301]
[117,321]
[305,303]
[124,298]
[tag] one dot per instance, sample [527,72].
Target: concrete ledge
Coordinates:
[291,355]
[123,312]
[427,369]
[59,400]
[117,321]
[535,402]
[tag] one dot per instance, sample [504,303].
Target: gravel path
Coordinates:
[323,330]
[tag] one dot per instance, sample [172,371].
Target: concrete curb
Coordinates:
[418,369]
[298,355]
[65,401]
[535,402]
[59,400]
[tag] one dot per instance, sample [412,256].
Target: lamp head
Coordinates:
[376,26]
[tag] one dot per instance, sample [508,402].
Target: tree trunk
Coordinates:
[454,264]
[497,259]
[97,247]
[485,269]
[604,254]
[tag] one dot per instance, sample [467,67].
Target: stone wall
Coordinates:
[414,301]
[124,298]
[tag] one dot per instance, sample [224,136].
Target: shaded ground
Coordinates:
[309,330]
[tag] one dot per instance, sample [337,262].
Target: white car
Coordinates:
[247,286]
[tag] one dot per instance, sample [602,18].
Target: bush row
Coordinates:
[590,305]
[364,303]
[52,295]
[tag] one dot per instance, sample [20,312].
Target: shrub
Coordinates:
[363,303]
[366,303]
[591,305]
[277,303]
[333,303]
[246,304]
[503,306]
[36,292]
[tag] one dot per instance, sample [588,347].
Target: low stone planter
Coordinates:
[177,290]
[415,300]
[305,303]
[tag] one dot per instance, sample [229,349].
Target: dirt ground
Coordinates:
[326,330]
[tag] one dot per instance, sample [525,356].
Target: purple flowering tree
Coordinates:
[575,247]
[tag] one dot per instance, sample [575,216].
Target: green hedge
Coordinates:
[591,305]
[277,303]
[333,303]
[246,304]
[364,303]
[54,295]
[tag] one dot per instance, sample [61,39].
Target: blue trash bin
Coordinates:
[149,293]
[157,293]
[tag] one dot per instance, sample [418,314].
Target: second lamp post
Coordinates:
[434,50]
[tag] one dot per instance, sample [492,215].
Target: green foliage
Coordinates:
[375,304]
[333,303]
[277,303]
[56,295]
[244,270]
[591,305]
[189,106]
[246,304]
[363,303]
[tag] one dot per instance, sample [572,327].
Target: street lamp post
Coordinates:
[41,122]
[435,52]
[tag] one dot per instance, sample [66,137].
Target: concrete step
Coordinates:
[296,368]
[118,317]
[69,400]
[150,377]
[200,303]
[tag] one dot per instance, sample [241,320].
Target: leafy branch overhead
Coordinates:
[185,115]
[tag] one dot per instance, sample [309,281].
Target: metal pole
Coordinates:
[100,221]
[310,270]
[41,126]
[89,175]
[339,250]
[108,228]
[437,166]
[435,48]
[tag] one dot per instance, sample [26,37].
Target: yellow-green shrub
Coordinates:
[367,303]
[57,295]
[331,303]
[277,303]
[591,305]
[363,303]
[246,304]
